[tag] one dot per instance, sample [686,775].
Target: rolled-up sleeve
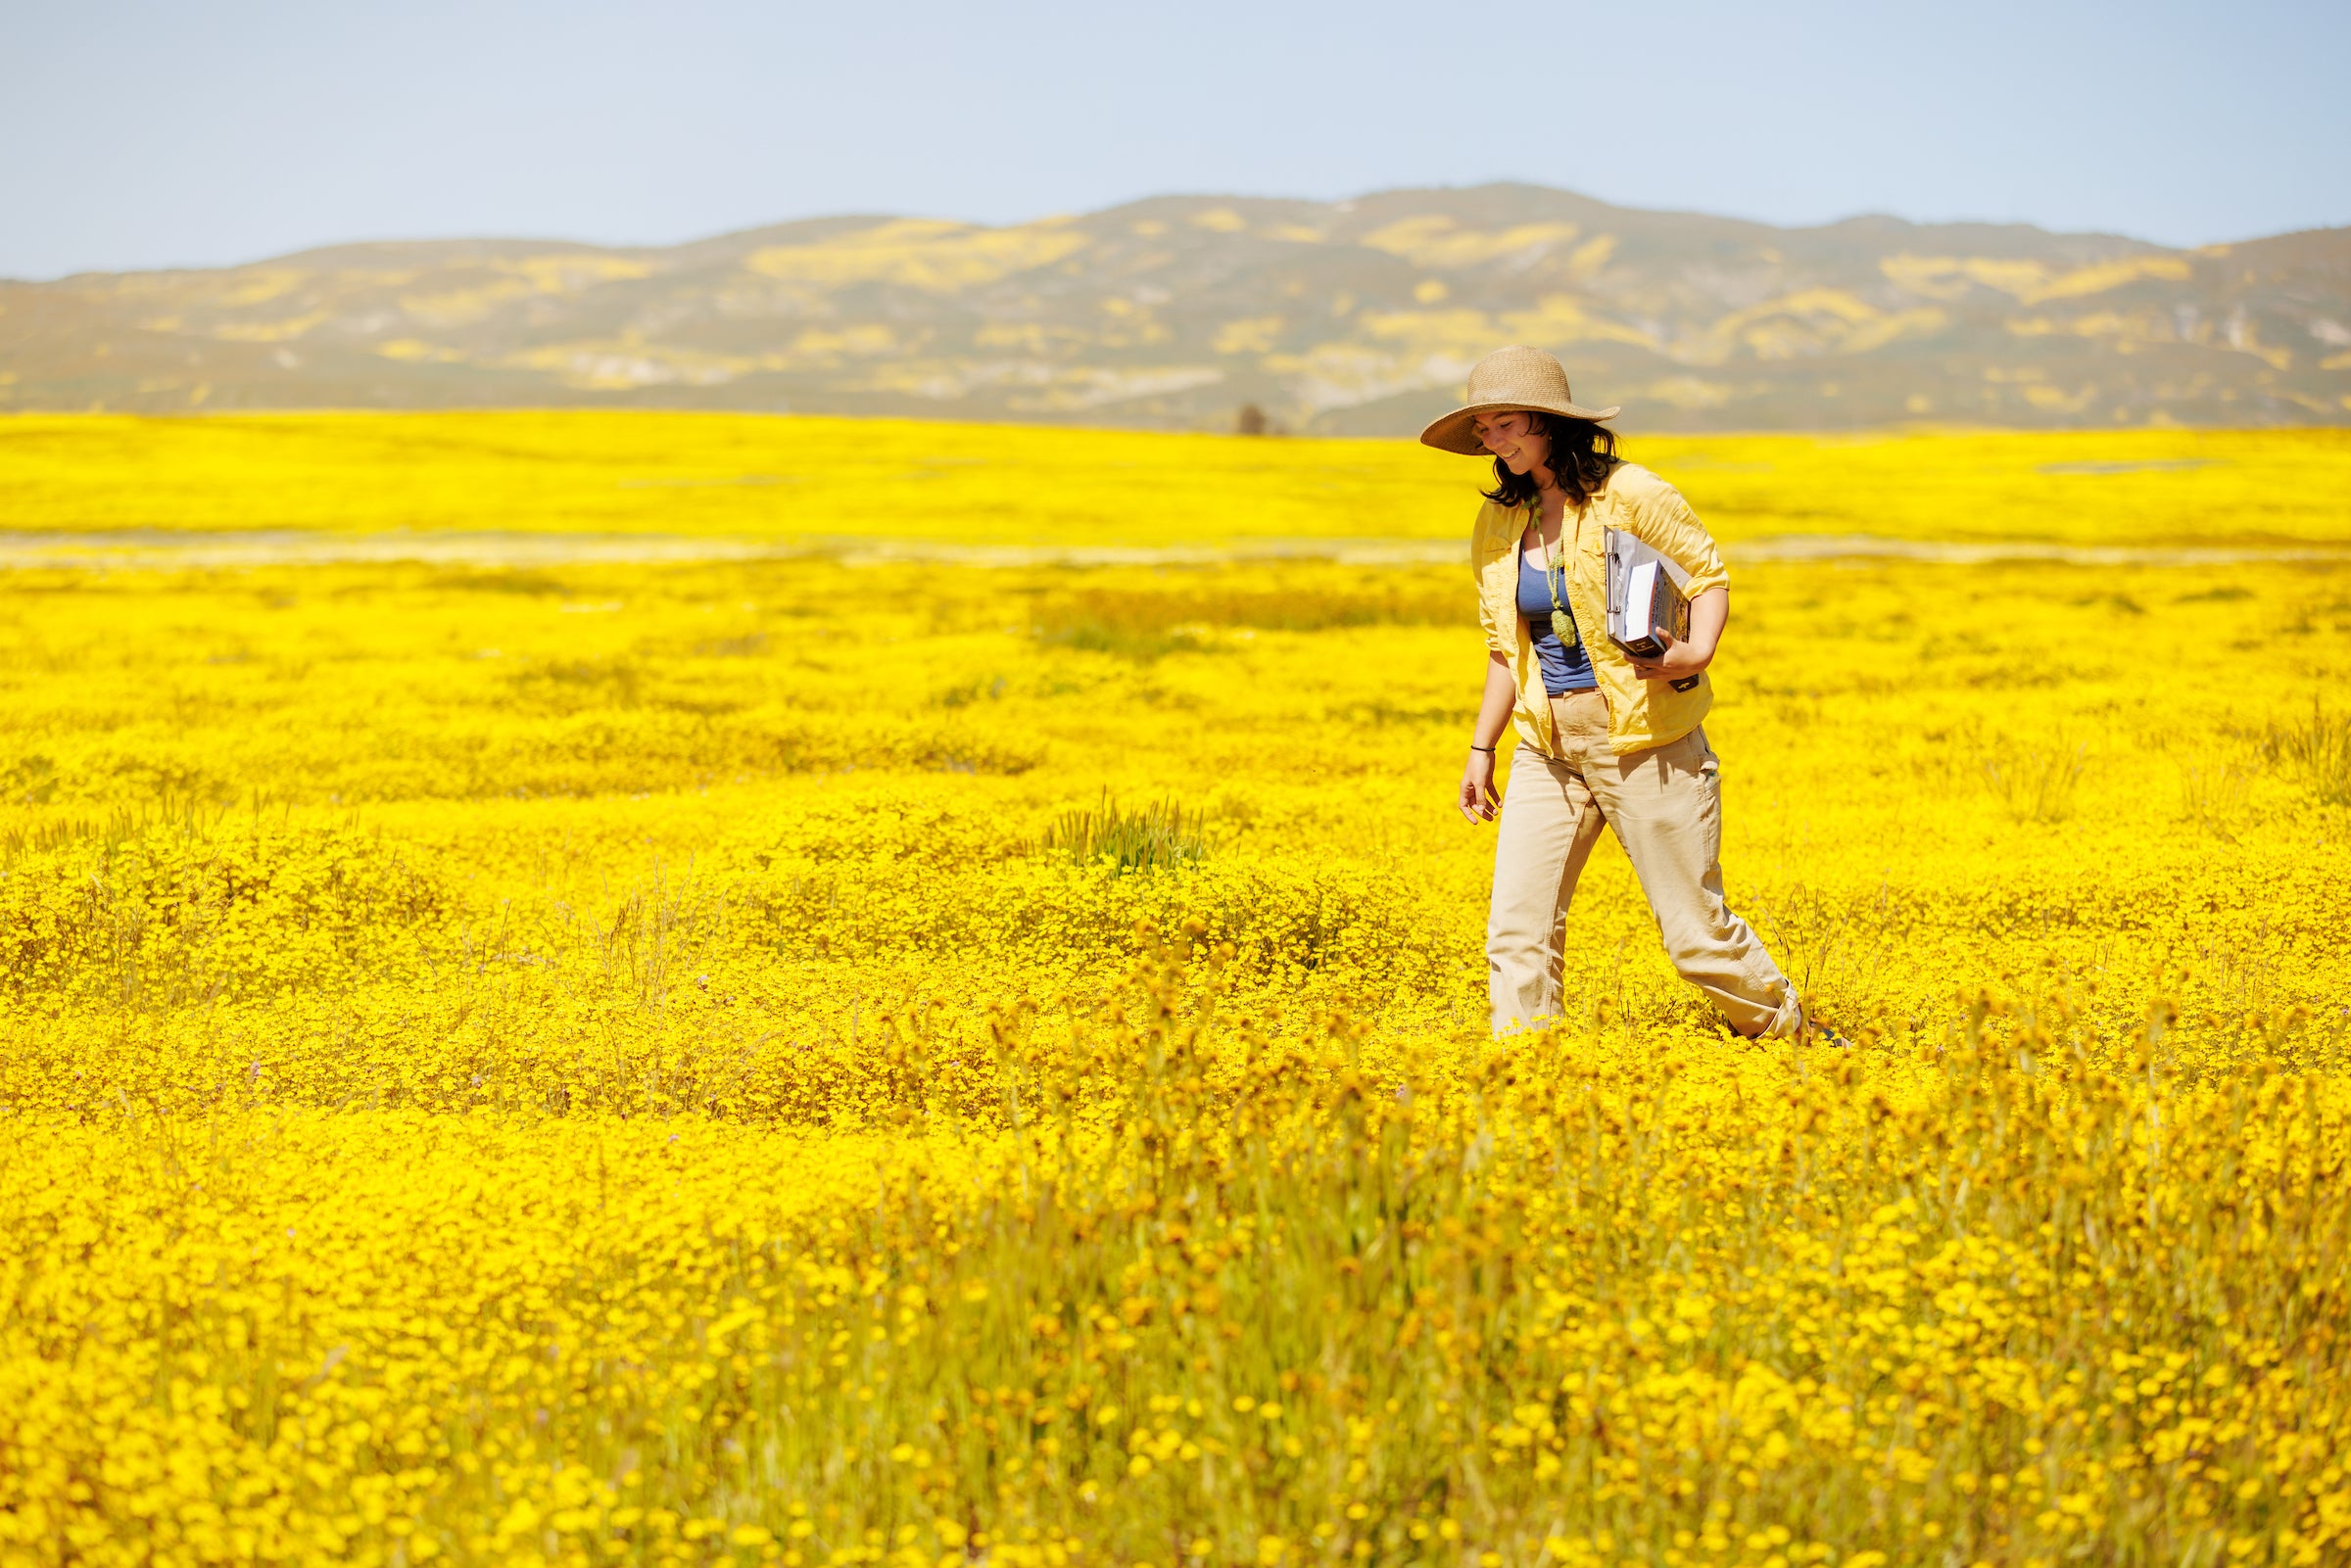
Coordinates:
[1660,518]
[1497,640]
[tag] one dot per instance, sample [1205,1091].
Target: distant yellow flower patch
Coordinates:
[920,253]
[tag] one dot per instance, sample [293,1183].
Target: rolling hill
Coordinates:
[1346,317]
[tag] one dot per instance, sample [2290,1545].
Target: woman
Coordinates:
[1603,737]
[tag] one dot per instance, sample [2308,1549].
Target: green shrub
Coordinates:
[1158,836]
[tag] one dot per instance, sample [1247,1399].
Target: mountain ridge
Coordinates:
[1357,316]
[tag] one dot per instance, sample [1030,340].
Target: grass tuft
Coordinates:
[1159,837]
[2037,786]
[2319,750]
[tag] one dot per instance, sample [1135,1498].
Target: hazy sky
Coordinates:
[153,134]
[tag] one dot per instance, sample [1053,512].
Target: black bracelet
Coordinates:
[1488,750]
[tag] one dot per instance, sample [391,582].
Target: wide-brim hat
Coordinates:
[1505,380]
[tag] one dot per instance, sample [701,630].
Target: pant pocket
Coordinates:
[1710,795]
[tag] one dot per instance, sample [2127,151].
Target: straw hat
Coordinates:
[1509,379]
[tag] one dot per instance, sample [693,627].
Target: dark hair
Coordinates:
[1582,455]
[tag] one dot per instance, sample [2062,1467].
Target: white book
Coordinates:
[1645,595]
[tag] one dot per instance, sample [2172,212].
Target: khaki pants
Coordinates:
[1665,804]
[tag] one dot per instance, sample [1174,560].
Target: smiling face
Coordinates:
[1518,438]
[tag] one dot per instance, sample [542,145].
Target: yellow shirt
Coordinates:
[1641,713]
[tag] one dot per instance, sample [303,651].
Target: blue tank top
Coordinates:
[1566,667]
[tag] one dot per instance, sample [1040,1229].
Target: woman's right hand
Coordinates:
[1478,801]
[1494,708]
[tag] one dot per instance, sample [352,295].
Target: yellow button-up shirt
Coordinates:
[1641,713]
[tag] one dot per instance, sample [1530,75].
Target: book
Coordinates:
[1644,595]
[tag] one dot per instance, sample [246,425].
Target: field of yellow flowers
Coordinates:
[933,1017]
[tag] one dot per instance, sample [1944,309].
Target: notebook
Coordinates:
[1644,595]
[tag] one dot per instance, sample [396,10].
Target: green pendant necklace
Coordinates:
[1554,577]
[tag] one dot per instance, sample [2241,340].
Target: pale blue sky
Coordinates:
[153,134]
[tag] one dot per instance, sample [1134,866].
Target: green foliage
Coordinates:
[1158,836]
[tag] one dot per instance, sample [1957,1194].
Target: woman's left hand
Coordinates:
[1678,662]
